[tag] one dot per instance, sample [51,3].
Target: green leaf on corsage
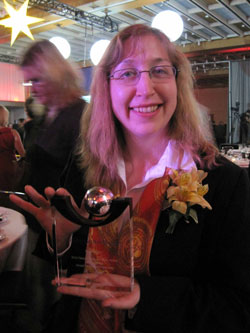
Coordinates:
[174,217]
[193,214]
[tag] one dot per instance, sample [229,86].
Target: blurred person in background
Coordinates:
[19,127]
[35,116]
[56,84]
[10,144]
[245,127]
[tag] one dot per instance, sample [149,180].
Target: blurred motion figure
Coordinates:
[56,84]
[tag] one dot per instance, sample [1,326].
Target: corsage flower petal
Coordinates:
[180,206]
[202,190]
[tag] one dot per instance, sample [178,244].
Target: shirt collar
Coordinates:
[172,157]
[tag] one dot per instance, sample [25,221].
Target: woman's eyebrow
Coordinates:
[126,62]
[160,60]
[132,62]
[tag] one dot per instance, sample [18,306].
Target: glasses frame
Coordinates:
[175,72]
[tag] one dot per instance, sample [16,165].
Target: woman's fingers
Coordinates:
[49,192]
[82,285]
[62,191]
[113,290]
[25,205]
[124,302]
[85,292]
[36,197]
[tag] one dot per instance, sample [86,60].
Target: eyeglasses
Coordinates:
[131,76]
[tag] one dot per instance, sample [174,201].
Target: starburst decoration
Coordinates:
[18,20]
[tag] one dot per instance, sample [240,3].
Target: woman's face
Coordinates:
[146,107]
[41,89]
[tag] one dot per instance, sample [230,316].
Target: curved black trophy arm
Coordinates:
[64,206]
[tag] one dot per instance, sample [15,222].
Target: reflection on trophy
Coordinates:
[97,201]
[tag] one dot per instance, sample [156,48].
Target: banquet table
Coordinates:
[235,157]
[243,163]
[13,240]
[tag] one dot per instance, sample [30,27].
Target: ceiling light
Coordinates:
[97,50]
[62,45]
[170,23]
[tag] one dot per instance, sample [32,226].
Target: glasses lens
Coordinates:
[162,72]
[126,75]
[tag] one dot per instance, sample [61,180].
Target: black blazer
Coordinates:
[200,274]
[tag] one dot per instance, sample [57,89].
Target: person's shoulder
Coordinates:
[28,124]
[73,110]
[6,129]
[79,105]
[14,131]
[223,164]
[225,171]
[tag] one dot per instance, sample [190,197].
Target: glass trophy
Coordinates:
[109,245]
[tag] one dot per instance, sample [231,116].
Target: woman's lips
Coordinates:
[145,109]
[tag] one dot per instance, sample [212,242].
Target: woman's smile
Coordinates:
[144,109]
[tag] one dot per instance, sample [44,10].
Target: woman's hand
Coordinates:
[91,285]
[45,214]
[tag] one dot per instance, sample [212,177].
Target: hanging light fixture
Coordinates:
[63,46]
[97,50]
[170,23]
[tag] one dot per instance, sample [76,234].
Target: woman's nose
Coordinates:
[145,85]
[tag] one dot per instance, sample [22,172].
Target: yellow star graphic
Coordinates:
[18,20]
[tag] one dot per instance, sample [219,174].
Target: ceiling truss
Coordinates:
[75,14]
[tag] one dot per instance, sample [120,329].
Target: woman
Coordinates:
[56,84]
[142,124]
[10,144]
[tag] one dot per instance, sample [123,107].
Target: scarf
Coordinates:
[108,246]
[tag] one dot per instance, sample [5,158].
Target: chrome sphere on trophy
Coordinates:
[98,200]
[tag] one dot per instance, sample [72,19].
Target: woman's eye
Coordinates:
[160,70]
[128,74]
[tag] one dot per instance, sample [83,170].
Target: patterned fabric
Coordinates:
[112,241]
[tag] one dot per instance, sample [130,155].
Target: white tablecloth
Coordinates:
[241,162]
[13,247]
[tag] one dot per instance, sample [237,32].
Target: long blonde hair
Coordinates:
[55,69]
[102,140]
[4,116]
